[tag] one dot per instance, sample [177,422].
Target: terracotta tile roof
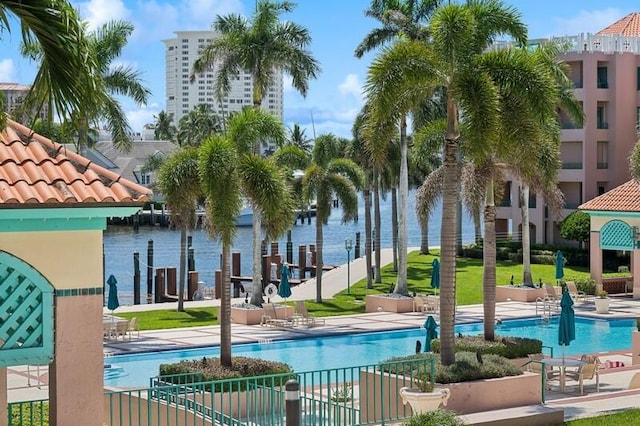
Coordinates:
[35,170]
[627,26]
[623,198]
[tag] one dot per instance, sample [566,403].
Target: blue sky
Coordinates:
[336,26]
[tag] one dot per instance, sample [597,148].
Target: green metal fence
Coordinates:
[337,397]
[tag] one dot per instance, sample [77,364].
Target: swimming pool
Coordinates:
[592,335]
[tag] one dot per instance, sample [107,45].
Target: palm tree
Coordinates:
[412,71]
[200,123]
[405,20]
[330,175]
[261,46]
[179,182]
[230,171]
[299,139]
[163,127]
[65,66]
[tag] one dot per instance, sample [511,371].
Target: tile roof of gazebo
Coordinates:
[626,26]
[623,198]
[35,171]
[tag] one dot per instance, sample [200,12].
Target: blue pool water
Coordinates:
[353,350]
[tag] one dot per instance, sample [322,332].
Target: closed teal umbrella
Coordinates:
[112,302]
[284,289]
[559,265]
[435,274]
[567,329]
[430,325]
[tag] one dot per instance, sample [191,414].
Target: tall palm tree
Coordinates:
[163,127]
[179,182]
[65,66]
[402,19]
[410,71]
[261,46]
[330,176]
[230,171]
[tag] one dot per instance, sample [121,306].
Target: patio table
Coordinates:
[562,364]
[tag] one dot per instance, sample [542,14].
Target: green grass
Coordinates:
[468,291]
[629,417]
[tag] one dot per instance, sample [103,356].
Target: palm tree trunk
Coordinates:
[424,235]
[489,264]
[401,285]
[367,233]
[256,297]
[183,265]
[527,279]
[225,308]
[448,238]
[319,244]
[377,224]
[394,227]
[477,226]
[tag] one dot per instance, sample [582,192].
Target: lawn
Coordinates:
[468,291]
[629,417]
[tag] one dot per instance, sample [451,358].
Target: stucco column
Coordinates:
[635,270]
[595,259]
[4,414]
[76,374]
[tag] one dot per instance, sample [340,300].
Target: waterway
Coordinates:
[120,242]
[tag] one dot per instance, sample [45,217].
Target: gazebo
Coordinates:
[54,205]
[615,225]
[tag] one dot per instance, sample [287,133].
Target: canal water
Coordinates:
[120,242]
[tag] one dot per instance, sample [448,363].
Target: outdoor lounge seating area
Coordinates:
[565,373]
[115,328]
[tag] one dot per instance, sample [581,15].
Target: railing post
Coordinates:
[292,402]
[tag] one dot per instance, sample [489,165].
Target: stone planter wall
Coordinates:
[635,347]
[246,316]
[467,397]
[375,303]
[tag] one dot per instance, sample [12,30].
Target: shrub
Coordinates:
[466,368]
[587,284]
[508,347]
[435,418]
[212,370]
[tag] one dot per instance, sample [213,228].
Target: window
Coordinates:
[603,155]
[602,117]
[638,78]
[602,78]
[602,188]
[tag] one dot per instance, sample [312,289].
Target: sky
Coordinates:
[336,27]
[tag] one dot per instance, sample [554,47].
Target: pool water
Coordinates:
[592,335]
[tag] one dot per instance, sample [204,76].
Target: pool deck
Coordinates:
[28,383]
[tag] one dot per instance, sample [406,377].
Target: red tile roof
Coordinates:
[623,198]
[35,170]
[627,26]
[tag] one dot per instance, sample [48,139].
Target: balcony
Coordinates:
[603,84]
[572,166]
[603,166]
[602,125]
[569,125]
[504,203]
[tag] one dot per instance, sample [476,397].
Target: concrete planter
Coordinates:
[240,315]
[602,305]
[382,303]
[423,402]
[506,293]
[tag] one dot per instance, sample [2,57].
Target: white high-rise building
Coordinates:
[183,95]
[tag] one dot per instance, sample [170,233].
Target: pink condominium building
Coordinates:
[605,69]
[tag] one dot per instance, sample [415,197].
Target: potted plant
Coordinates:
[343,412]
[602,302]
[424,397]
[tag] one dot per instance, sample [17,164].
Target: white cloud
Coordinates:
[98,12]
[200,14]
[141,116]
[7,70]
[351,86]
[587,21]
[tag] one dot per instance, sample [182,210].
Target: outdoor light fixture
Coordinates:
[348,245]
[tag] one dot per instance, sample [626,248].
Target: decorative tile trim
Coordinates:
[78,292]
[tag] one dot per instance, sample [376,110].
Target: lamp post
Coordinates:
[348,244]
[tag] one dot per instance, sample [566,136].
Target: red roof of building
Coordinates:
[627,26]
[35,170]
[623,198]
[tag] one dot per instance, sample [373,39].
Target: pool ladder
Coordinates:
[546,308]
[264,341]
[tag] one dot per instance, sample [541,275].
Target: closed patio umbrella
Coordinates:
[559,265]
[567,328]
[430,326]
[435,274]
[284,289]
[112,301]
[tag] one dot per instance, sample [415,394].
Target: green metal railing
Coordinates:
[338,397]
